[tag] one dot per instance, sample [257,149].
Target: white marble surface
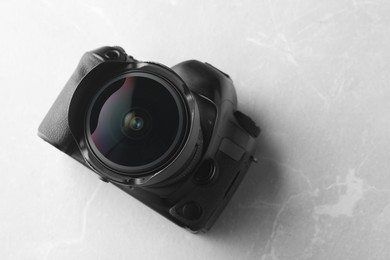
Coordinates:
[314,74]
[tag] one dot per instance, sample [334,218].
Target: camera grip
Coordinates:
[54,127]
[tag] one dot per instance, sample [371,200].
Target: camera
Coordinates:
[170,137]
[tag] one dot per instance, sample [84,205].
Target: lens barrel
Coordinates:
[141,126]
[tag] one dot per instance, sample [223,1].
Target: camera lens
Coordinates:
[135,121]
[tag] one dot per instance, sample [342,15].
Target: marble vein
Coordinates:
[80,237]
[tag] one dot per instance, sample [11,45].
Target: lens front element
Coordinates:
[135,121]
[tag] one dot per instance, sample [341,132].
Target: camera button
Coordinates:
[247,123]
[191,211]
[205,173]
[231,149]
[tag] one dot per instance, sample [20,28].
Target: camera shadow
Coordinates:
[249,215]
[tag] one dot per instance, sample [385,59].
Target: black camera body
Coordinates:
[170,137]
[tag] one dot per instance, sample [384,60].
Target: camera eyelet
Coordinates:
[112,54]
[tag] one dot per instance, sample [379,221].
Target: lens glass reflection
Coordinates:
[134,121]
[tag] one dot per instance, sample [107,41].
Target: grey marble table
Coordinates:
[314,74]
